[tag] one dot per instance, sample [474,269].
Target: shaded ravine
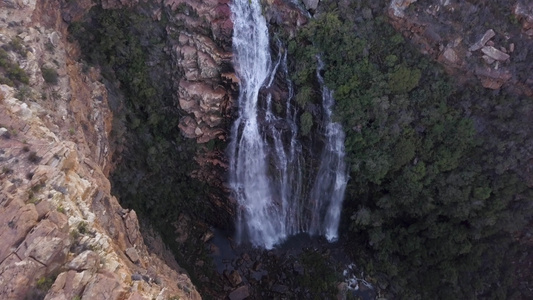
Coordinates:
[266,163]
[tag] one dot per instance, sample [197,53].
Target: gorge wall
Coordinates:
[64,236]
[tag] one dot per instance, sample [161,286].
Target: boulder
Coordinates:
[311,5]
[486,37]
[450,56]
[133,255]
[239,293]
[495,53]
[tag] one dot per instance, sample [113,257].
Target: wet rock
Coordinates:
[495,53]
[481,43]
[239,293]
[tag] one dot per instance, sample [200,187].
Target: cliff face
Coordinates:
[63,234]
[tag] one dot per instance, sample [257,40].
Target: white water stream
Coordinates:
[265,156]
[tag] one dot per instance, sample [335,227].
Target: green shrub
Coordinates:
[50,75]
[45,283]
[306,123]
[404,79]
[304,96]
[12,75]
[83,227]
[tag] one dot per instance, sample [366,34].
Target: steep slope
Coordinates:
[63,235]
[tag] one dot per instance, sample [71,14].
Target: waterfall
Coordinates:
[327,193]
[265,156]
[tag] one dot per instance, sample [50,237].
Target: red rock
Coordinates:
[16,220]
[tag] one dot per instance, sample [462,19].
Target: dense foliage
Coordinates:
[438,186]
[153,174]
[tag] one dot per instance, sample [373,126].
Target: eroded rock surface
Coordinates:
[63,234]
[203,93]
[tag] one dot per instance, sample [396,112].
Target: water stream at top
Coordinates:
[266,161]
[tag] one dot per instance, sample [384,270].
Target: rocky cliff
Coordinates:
[64,236]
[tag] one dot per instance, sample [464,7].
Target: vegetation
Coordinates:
[436,194]
[50,75]
[45,283]
[319,278]
[153,177]
[10,72]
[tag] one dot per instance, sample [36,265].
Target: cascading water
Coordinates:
[330,183]
[265,156]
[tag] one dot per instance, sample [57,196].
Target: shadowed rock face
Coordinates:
[202,53]
[63,234]
[485,41]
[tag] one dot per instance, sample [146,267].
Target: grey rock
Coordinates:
[87,260]
[136,277]
[450,55]
[311,4]
[495,53]
[488,59]
[486,37]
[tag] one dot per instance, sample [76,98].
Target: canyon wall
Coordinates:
[64,236]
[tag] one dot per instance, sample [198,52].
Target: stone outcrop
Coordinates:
[203,93]
[493,56]
[63,234]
